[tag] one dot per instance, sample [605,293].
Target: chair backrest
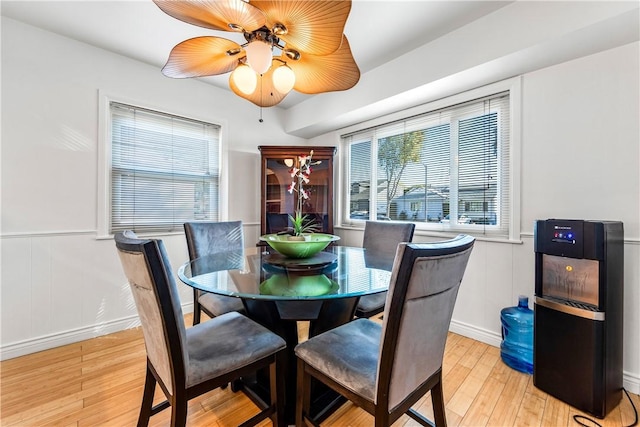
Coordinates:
[207,238]
[422,293]
[211,237]
[149,274]
[381,239]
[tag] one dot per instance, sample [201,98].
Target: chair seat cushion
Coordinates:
[372,302]
[347,354]
[225,343]
[218,305]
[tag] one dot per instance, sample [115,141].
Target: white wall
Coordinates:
[58,282]
[580,160]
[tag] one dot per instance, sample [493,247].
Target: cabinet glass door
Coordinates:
[279,203]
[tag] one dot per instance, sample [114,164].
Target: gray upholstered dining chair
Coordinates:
[381,239]
[189,362]
[208,238]
[385,369]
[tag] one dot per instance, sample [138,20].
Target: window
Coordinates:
[446,169]
[164,170]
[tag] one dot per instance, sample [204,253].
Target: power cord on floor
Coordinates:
[579,418]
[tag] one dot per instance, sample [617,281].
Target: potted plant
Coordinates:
[301,225]
[300,173]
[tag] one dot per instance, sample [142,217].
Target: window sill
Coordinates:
[444,234]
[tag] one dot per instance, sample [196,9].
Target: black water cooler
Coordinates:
[577,350]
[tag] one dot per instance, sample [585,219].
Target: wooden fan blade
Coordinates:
[265,94]
[215,14]
[317,74]
[202,56]
[314,27]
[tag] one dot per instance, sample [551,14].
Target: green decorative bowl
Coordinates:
[313,243]
[298,286]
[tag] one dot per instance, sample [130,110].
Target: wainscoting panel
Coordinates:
[62,287]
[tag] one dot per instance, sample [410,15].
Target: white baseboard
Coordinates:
[476,333]
[630,381]
[47,342]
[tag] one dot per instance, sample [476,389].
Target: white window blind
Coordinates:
[164,170]
[444,170]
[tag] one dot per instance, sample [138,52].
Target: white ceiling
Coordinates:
[378,31]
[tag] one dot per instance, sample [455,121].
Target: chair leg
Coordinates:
[277,391]
[147,398]
[437,400]
[236,385]
[179,410]
[196,307]
[303,395]
[381,417]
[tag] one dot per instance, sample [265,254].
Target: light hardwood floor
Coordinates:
[99,383]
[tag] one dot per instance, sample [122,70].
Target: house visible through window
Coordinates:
[444,169]
[164,170]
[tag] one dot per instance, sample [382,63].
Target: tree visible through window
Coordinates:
[164,170]
[447,169]
[394,153]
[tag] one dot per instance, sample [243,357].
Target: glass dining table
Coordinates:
[277,292]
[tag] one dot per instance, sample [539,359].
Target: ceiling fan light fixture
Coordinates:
[312,53]
[279,30]
[245,79]
[259,56]
[292,54]
[284,79]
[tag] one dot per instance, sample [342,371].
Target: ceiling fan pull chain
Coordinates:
[260,120]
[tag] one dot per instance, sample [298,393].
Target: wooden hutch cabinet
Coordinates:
[276,201]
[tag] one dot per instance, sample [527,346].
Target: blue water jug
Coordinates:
[516,349]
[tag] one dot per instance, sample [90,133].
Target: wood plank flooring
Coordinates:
[99,383]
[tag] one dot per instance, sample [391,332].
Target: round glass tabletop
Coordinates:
[261,273]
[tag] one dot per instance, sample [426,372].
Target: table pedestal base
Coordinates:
[281,317]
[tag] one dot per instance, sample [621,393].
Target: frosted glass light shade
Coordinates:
[258,56]
[245,79]
[283,79]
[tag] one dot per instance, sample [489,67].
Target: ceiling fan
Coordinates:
[289,45]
